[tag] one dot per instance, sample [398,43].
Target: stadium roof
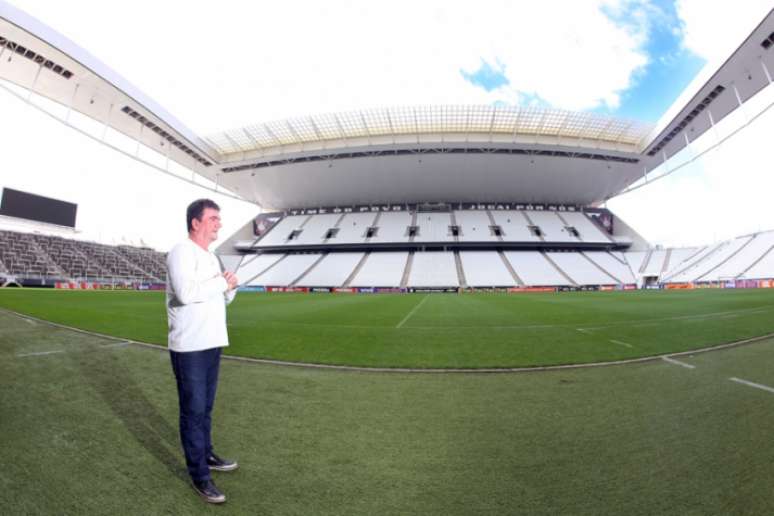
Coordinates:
[394,123]
[393,154]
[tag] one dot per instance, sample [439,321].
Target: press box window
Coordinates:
[496,231]
[413,231]
[454,231]
[371,232]
[331,233]
[294,234]
[536,231]
[572,231]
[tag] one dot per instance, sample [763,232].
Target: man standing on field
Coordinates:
[197,294]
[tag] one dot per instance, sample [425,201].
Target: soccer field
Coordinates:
[435,330]
[89,427]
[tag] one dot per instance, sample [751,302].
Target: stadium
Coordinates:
[438,310]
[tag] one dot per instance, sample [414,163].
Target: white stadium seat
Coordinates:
[382,269]
[331,271]
[433,269]
[485,269]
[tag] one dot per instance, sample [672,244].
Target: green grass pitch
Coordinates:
[434,330]
[88,424]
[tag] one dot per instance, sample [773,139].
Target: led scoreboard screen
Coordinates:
[29,206]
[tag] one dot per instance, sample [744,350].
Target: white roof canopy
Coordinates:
[450,122]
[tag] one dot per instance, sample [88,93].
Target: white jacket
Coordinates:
[197,295]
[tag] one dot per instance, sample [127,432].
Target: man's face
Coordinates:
[208,226]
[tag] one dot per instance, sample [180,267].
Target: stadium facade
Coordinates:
[418,197]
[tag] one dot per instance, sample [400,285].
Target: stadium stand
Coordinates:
[582,270]
[613,264]
[690,262]
[744,257]
[393,227]
[280,234]
[353,227]
[515,226]
[763,268]
[316,229]
[332,271]
[683,254]
[709,261]
[433,227]
[551,226]
[433,269]
[286,271]
[710,267]
[588,231]
[535,270]
[636,259]
[252,266]
[37,256]
[475,226]
[232,262]
[654,262]
[486,269]
[381,270]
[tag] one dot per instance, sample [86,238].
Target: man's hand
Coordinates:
[231,279]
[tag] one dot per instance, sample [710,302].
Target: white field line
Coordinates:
[412,312]
[584,330]
[621,343]
[751,384]
[54,352]
[116,345]
[40,353]
[677,362]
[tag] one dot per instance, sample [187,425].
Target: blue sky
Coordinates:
[670,65]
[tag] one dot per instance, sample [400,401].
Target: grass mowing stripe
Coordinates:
[752,384]
[413,311]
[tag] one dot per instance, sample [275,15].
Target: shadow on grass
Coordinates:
[120,390]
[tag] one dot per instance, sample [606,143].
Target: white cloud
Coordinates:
[713,30]
[241,63]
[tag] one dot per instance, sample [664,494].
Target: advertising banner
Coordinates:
[366,290]
[517,290]
[582,288]
[679,286]
[344,290]
[251,288]
[429,290]
[320,289]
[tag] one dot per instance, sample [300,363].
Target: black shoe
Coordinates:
[218,464]
[209,491]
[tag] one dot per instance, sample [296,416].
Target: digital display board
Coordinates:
[29,206]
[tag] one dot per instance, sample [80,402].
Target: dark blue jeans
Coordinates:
[196,373]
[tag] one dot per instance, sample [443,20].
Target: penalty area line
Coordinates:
[412,312]
[752,384]
[677,362]
[621,343]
